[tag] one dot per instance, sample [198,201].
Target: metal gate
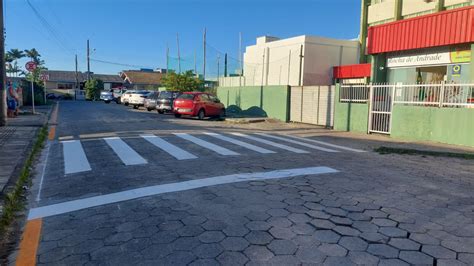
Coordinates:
[313,105]
[380,108]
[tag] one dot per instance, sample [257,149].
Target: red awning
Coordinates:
[439,29]
[352,71]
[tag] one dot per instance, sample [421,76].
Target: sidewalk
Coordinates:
[15,141]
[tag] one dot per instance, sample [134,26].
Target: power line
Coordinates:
[119,64]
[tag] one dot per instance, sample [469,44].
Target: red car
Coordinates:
[198,104]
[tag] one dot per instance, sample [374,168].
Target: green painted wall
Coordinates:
[267,101]
[445,125]
[350,116]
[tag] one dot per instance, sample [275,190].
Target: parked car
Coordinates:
[150,101]
[117,94]
[165,101]
[137,98]
[198,104]
[126,97]
[106,96]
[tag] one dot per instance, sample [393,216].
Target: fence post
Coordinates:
[441,94]
[371,91]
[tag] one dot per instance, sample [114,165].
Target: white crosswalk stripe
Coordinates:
[171,149]
[327,144]
[296,142]
[240,143]
[205,144]
[75,160]
[271,143]
[125,152]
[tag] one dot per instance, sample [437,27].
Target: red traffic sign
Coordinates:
[30,66]
[44,77]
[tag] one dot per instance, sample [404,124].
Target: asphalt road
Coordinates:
[128,187]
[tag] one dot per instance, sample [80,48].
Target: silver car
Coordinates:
[106,96]
[150,101]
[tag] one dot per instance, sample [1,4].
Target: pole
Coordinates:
[204,60]
[225,65]
[88,62]
[263,66]
[32,93]
[218,66]
[179,54]
[301,65]
[195,66]
[167,59]
[240,54]
[77,79]
[3,77]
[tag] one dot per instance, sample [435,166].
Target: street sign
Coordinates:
[44,77]
[30,66]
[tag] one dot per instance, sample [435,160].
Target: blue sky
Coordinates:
[136,32]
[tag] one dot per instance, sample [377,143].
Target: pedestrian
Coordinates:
[12,100]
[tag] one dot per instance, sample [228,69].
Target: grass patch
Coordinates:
[389,150]
[14,200]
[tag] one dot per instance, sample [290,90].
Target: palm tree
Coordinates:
[14,55]
[34,55]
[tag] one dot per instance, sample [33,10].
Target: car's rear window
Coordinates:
[186,96]
[141,92]
[168,94]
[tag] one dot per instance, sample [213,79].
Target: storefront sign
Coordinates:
[456,71]
[440,57]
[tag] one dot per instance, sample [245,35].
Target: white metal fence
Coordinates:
[442,94]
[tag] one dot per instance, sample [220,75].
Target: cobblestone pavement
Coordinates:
[377,210]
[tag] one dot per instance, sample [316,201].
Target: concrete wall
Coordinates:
[277,62]
[350,116]
[417,6]
[445,125]
[381,12]
[266,101]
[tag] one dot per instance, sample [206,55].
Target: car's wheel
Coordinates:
[118,101]
[161,112]
[177,115]
[201,114]
[149,109]
[135,107]
[221,114]
[126,104]
[107,102]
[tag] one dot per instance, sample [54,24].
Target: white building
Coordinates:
[273,61]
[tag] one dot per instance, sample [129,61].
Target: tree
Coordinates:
[35,56]
[13,56]
[93,88]
[186,81]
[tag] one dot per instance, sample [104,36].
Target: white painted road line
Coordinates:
[81,204]
[125,152]
[240,143]
[327,144]
[75,159]
[297,142]
[171,149]
[213,147]
[271,143]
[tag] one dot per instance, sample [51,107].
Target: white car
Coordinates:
[137,98]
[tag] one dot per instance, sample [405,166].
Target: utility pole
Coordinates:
[77,78]
[3,77]
[167,59]
[204,62]
[195,66]
[225,65]
[88,62]
[240,54]
[218,65]
[179,55]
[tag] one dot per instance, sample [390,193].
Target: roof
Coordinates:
[439,29]
[142,77]
[70,76]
